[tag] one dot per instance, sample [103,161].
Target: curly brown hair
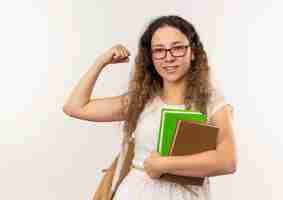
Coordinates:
[146,83]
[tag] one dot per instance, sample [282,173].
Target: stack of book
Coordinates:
[184,132]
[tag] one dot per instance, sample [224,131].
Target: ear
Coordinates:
[193,56]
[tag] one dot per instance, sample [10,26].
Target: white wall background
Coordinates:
[46,47]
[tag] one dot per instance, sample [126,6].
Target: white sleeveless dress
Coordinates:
[137,185]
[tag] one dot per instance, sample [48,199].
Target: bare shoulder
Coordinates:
[102,109]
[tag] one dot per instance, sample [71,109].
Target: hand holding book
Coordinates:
[190,135]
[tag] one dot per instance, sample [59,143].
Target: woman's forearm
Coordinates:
[198,165]
[80,95]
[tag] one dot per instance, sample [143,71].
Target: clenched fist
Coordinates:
[116,54]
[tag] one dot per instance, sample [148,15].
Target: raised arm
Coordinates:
[79,105]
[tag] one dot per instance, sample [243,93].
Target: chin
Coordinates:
[172,78]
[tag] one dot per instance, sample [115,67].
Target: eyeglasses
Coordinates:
[176,51]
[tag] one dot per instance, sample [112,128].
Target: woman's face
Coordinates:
[170,68]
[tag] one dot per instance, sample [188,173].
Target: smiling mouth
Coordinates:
[170,69]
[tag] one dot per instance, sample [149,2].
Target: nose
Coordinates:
[169,57]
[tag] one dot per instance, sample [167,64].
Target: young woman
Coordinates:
[171,70]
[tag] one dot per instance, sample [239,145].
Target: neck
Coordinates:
[174,93]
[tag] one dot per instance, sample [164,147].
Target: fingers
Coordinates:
[120,52]
[124,51]
[154,175]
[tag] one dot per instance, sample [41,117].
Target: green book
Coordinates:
[168,124]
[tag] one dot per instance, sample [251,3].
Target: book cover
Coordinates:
[168,122]
[191,138]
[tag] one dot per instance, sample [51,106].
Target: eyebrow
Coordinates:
[176,42]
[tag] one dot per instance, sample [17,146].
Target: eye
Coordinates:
[158,50]
[178,48]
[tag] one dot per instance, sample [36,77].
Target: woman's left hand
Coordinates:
[152,165]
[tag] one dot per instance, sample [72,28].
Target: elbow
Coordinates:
[230,166]
[65,110]
[68,111]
